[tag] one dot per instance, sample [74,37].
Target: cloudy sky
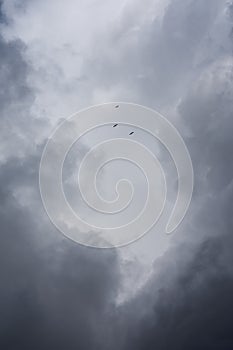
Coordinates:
[57,57]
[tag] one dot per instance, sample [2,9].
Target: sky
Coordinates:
[58,57]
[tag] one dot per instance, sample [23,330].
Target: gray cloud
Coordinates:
[187,301]
[55,294]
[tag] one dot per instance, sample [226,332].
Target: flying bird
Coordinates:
[131,133]
[117,106]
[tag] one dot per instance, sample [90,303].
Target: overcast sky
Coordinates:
[57,57]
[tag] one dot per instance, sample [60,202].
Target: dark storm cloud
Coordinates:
[17,123]
[192,310]
[187,303]
[55,294]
